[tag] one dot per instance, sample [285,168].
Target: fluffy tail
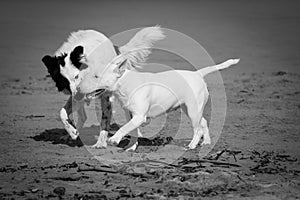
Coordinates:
[138,48]
[226,64]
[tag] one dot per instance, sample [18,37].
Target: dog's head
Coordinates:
[65,69]
[98,80]
[113,72]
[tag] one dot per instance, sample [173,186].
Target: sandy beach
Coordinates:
[257,155]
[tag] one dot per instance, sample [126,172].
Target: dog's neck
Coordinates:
[126,84]
[118,84]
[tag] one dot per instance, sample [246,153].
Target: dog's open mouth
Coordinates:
[95,93]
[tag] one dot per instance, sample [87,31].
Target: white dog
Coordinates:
[66,68]
[147,95]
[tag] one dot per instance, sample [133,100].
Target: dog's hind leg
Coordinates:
[200,129]
[194,109]
[198,132]
[206,137]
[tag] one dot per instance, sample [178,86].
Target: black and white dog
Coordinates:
[66,69]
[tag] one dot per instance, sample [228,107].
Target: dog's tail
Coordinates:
[226,64]
[138,48]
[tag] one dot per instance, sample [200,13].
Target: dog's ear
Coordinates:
[120,66]
[76,56]
[50,62]
[47,60]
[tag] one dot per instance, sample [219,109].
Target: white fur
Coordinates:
[139,47]
[224,65]
[73,105]
[98,49]
[140,93]
[89,39]
[136,50]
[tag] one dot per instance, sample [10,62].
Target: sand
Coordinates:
[261,131]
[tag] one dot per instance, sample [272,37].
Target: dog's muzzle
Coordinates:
[95,93]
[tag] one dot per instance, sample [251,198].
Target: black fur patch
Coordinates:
[76,55]
[52,64]
[61,59]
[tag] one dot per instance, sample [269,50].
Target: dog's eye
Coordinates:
[77,76]
[96,76]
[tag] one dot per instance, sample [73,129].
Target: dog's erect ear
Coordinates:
[76,55]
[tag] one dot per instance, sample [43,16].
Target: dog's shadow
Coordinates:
[58,136]
[88,136]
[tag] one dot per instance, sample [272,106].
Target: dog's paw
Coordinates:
[113,140]
[192,146]
[72,132]
[206,142]
[100,145]
[101,142]
[132,148]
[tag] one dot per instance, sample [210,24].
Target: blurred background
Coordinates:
[264,33]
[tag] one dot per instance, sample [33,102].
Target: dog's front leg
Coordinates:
[70,107]
[81,117]
[135,134]
[106,108]
[133,124]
